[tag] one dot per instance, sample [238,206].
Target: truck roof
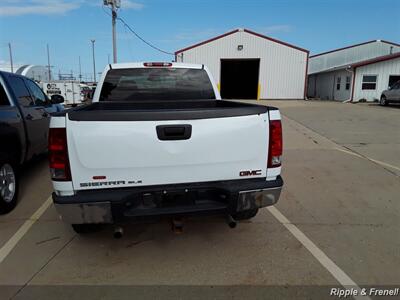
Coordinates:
[133,65]
[10,73]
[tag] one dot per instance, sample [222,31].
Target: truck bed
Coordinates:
[164,110]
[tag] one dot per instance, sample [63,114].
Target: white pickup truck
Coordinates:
[159,141]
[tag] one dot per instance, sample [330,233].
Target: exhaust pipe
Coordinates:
[118,232]
[231,221]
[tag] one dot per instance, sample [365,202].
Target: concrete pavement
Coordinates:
[347,205]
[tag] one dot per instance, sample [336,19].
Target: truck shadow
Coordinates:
[158,234]
[34,175]
[391,105]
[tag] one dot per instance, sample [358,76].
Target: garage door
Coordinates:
[239,78]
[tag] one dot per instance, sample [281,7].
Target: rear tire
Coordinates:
[86,228]
[383,101]
[9,185]
[245,215]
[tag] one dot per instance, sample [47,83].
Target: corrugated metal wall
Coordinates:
[323,85]
[350,55]
[383,70]
[282,68]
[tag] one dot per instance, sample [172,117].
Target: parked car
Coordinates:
[159,141]
[391,95]
[24,123]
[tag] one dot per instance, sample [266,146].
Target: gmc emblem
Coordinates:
[250,173]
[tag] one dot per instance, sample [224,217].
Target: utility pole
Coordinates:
[11,58]
[94,62]
[48,62]
[80,70]
[115,4]
[114,31]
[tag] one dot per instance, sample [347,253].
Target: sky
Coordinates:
[67,26]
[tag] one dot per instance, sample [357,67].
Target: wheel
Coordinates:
[383,101]
[245,215]
[8,186]
[85,228]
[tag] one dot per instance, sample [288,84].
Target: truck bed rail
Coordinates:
[164,110]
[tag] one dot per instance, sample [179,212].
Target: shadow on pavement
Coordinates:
[391,105]
[36,168]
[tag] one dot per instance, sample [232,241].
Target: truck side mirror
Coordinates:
[56,99]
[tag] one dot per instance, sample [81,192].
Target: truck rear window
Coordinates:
[156,84]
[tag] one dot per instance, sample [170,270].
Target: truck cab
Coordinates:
[24,125]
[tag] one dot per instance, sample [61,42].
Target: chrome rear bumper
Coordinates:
[113,206]
[85,213]
[258,198]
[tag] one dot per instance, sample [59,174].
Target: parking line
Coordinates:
[13,241]
[371,159]
[345,151]
[323,259]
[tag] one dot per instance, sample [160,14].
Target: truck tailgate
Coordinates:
[115,154]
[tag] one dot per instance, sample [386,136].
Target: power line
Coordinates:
[136,34]
[104,9]
[129,45]
[142,39]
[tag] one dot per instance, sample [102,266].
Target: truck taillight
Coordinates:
[275,144]
[58,155]
[157,64]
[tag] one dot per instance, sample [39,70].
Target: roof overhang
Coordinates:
[376,60]
[345,67]
[355,45]
[241,30]
[360,63]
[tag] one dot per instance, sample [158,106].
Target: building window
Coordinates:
[393,79]
[348,79]
[338,80]
[369,82]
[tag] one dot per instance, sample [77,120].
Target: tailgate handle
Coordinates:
[174,132]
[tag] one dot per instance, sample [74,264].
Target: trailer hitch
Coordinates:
[177,225]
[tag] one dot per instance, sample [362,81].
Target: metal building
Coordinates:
[331,74]
[374,76]
[38,73]
[249,65]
